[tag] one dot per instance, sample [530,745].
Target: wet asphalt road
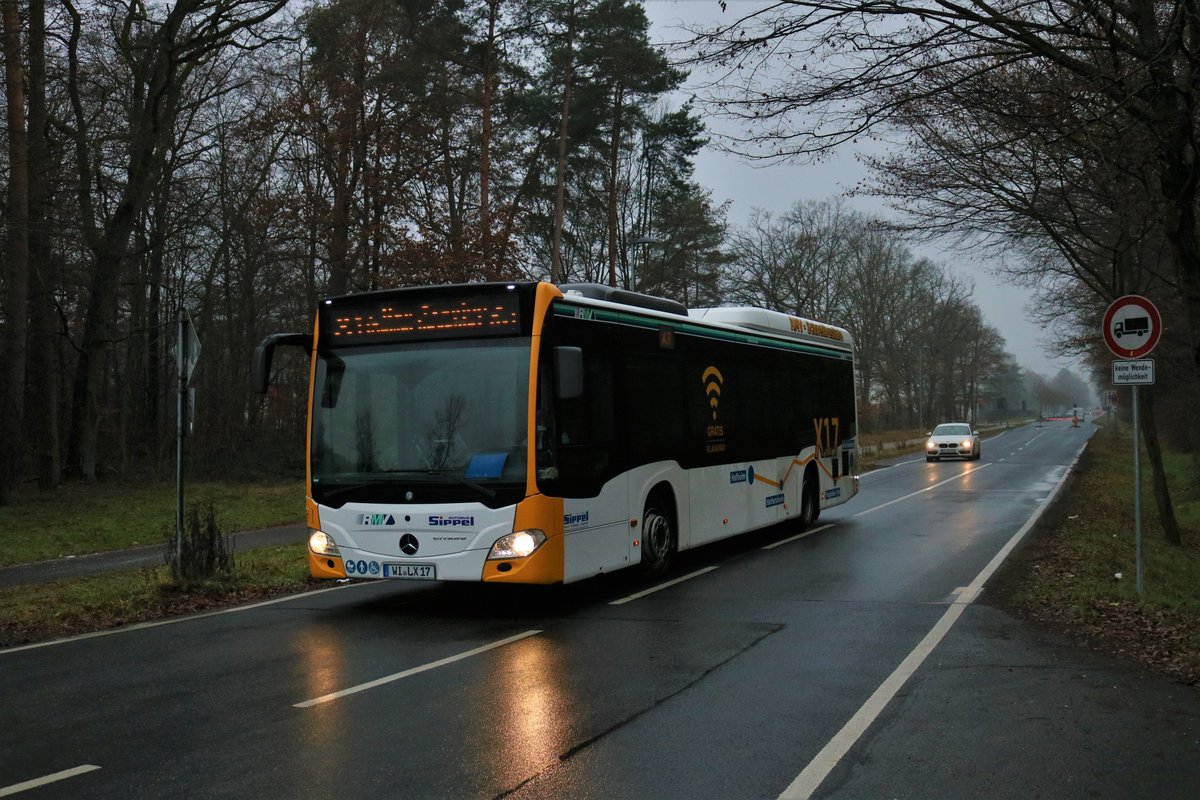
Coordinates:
[850,663]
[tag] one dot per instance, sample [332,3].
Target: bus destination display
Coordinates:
[393,319]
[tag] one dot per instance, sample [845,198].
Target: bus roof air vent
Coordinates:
[597,291]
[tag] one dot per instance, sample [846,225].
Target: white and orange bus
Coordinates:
[532,433]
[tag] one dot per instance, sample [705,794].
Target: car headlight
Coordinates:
[931,445]
[966,443]
[322,544]
[517,544]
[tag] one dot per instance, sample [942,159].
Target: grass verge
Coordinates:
[76,519]
[1077,570]
[39,612]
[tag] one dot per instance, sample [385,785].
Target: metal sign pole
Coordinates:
[181,390]
[1137,493]
[1132,327]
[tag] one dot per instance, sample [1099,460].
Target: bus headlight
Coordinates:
[517,544]
[322,544]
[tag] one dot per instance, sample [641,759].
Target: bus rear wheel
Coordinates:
[808,507]
[658,539]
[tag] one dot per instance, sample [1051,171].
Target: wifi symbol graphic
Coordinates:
[712,380]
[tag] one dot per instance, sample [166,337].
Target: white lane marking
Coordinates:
[362,687]
[922,491]
[782,542]
[654,589]
[173,620]
[25,786]
[819,768]
[966,594]
[882,470]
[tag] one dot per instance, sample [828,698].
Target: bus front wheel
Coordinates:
[658,539]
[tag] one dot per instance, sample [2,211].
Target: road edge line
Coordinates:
[832,753]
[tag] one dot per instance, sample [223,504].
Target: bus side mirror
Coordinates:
[260,374]
[568,367]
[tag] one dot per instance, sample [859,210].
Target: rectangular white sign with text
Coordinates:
[1136,370]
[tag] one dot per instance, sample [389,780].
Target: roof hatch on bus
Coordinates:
[596,291]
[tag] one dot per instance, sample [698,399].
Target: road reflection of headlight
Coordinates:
[321,654]
[530,708]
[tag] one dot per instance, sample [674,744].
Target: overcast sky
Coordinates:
[775,188]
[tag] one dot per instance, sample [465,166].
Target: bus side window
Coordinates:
[546,434]
[586,426]
[653,411]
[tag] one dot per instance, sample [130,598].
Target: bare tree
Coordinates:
[922,344]
[161,53]
[1058,185]
[806,75]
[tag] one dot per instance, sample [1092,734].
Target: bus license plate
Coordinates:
[416,572]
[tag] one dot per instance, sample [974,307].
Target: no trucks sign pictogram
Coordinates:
[1132,326]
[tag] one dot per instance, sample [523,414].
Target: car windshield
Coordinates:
[952,430]
[450,413]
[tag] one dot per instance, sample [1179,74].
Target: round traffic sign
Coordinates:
[1132,326]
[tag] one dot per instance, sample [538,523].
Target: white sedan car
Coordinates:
[953,440]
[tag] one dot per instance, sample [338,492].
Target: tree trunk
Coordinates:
[560,175]
[339,223]
[156,356]
[1162,492]
[614,160]
[485,140]
[454,210]
[45,373]
[12,393]
[91,371]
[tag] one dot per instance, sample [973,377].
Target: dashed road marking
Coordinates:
[922,491]
[362,687]
[661,586]
[24,786]
[790,539]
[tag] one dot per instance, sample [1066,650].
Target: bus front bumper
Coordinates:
[544,566]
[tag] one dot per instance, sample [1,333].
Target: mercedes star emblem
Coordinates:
[409,544]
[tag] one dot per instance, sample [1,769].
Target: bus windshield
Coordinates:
[448,414]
